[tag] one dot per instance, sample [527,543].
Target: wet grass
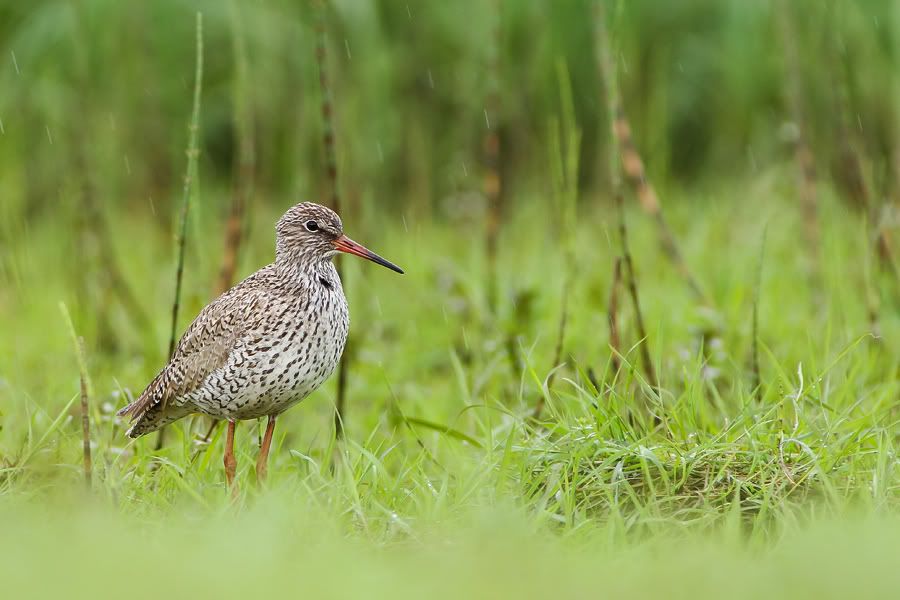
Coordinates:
[443,475]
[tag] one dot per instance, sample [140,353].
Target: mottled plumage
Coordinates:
[268,342]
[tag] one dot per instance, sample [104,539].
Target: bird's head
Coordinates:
[310,233]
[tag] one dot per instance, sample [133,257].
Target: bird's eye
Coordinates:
[312,226]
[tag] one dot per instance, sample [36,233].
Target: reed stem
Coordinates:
[331,174]
[189,177]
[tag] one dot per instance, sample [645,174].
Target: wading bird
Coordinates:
[265,344]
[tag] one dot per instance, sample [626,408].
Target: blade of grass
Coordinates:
[189,177]
[84,395]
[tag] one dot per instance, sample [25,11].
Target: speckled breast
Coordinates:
[291,351]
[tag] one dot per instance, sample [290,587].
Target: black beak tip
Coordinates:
[385,263]
[393,267]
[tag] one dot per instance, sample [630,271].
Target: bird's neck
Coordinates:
[301,272]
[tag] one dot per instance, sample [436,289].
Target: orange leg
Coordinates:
[262,463]
[230,461]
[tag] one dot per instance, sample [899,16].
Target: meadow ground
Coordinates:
[444,485]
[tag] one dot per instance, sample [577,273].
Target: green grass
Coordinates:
[443,482]
[282,550]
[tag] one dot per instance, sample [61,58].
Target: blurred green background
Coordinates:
[96,98]
[703,84]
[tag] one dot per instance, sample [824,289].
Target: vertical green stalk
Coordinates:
[565,142]
[189,177]
[756,382]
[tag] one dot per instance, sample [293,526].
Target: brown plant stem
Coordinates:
[245,160]
[631,163]
[612,314]
[617,160]
[493,185]
[558,350]
[85,393]
[213,424]
[85,417]
[803,156]
[649,369]
[331,174]
[853,183]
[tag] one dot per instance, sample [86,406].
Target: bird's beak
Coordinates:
[345,244]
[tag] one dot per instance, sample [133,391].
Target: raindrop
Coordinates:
[486,119]
[2,131]
[15,63]
[49,137]
[408,13]
[859,122]
[378,306]
[405,226]
[430,79]
[127,164]
[152,206]
[347,46]
[465,169]
[380,151]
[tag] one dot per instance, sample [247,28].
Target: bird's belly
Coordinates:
[269,375]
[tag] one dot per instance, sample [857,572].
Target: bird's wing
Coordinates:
[204,347]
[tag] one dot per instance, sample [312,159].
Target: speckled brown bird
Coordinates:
[265,344]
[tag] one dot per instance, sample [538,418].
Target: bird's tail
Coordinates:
[142,404]
[147,410]
[155,418]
